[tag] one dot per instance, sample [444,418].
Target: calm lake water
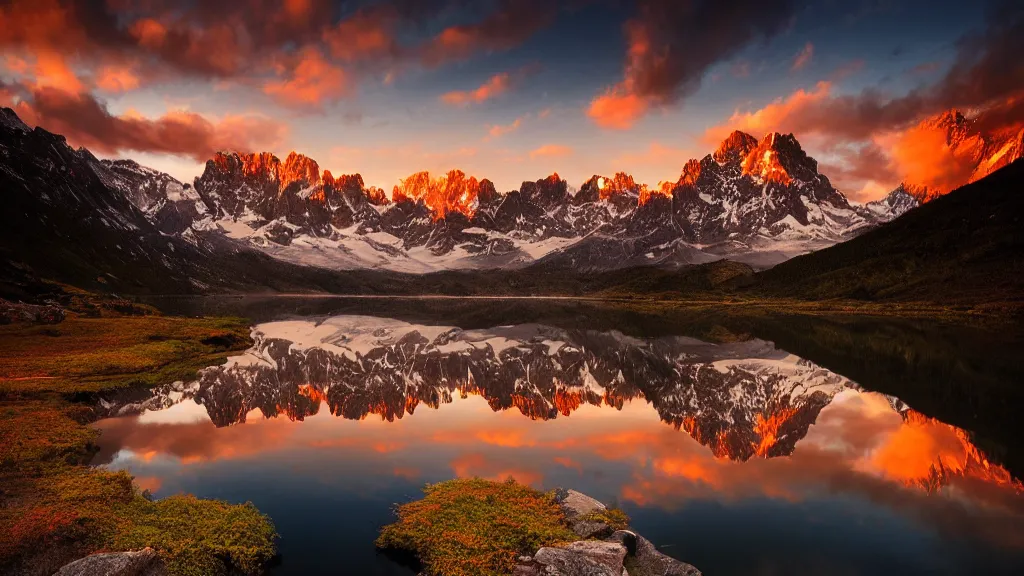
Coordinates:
[865,447]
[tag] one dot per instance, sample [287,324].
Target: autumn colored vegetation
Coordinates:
[478,527]
[54,508]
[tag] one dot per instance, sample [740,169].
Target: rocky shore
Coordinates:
[601,551]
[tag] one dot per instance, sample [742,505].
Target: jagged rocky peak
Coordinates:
[451,192]
[549,192]
[691,172]
[620,187]
[734,148]
[955,124]
[9,119]
[896,203]
[300,168]
[268,167]
[779,158]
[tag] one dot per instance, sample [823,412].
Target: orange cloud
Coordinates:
[310,82]
[86,122]
[363,35]
[803,58]
[116,79]
[508,26]
[778,116]
[476,465]
[45,68]
[151,483]
[495,86]
[505,438]
[149,32]
[551,150]
[921,156]
[498,130]
[670,47]
[617,109]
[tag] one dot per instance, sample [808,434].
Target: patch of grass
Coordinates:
[86,510]
[83,355]
[54,509]
[615,518]
[35,430]
[198,537]
[476,527]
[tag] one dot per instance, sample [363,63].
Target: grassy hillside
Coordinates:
[964,248]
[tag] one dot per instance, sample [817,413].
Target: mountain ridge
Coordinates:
[757,201]
[964,246]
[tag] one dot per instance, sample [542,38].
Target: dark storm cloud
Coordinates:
[673,43]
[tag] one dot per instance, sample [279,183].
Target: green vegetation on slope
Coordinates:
[54,508]
[476,527]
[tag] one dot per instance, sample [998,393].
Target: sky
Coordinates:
[512,90]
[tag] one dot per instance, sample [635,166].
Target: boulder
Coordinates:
[590,529]
[577,504]
[644,559]
[143,562]
[583,558]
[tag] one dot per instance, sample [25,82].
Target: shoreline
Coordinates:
[58,507]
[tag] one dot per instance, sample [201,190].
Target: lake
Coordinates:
[743,443]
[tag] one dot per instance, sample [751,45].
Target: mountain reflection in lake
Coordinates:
[739,457]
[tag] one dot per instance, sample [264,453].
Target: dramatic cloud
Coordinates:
[114,78]
[821,112]
[309,81]
[891,134]
[367,34]
[862,171]
[920,156]
[614,110]
[301,52]
[672,44]
[804,57]
[86,121]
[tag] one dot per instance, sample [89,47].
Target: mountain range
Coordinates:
[252,221]
[752,201]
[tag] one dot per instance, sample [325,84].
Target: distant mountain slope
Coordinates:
[966,246]
[974,151]
[71,218]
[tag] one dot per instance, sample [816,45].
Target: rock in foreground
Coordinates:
[143,562]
